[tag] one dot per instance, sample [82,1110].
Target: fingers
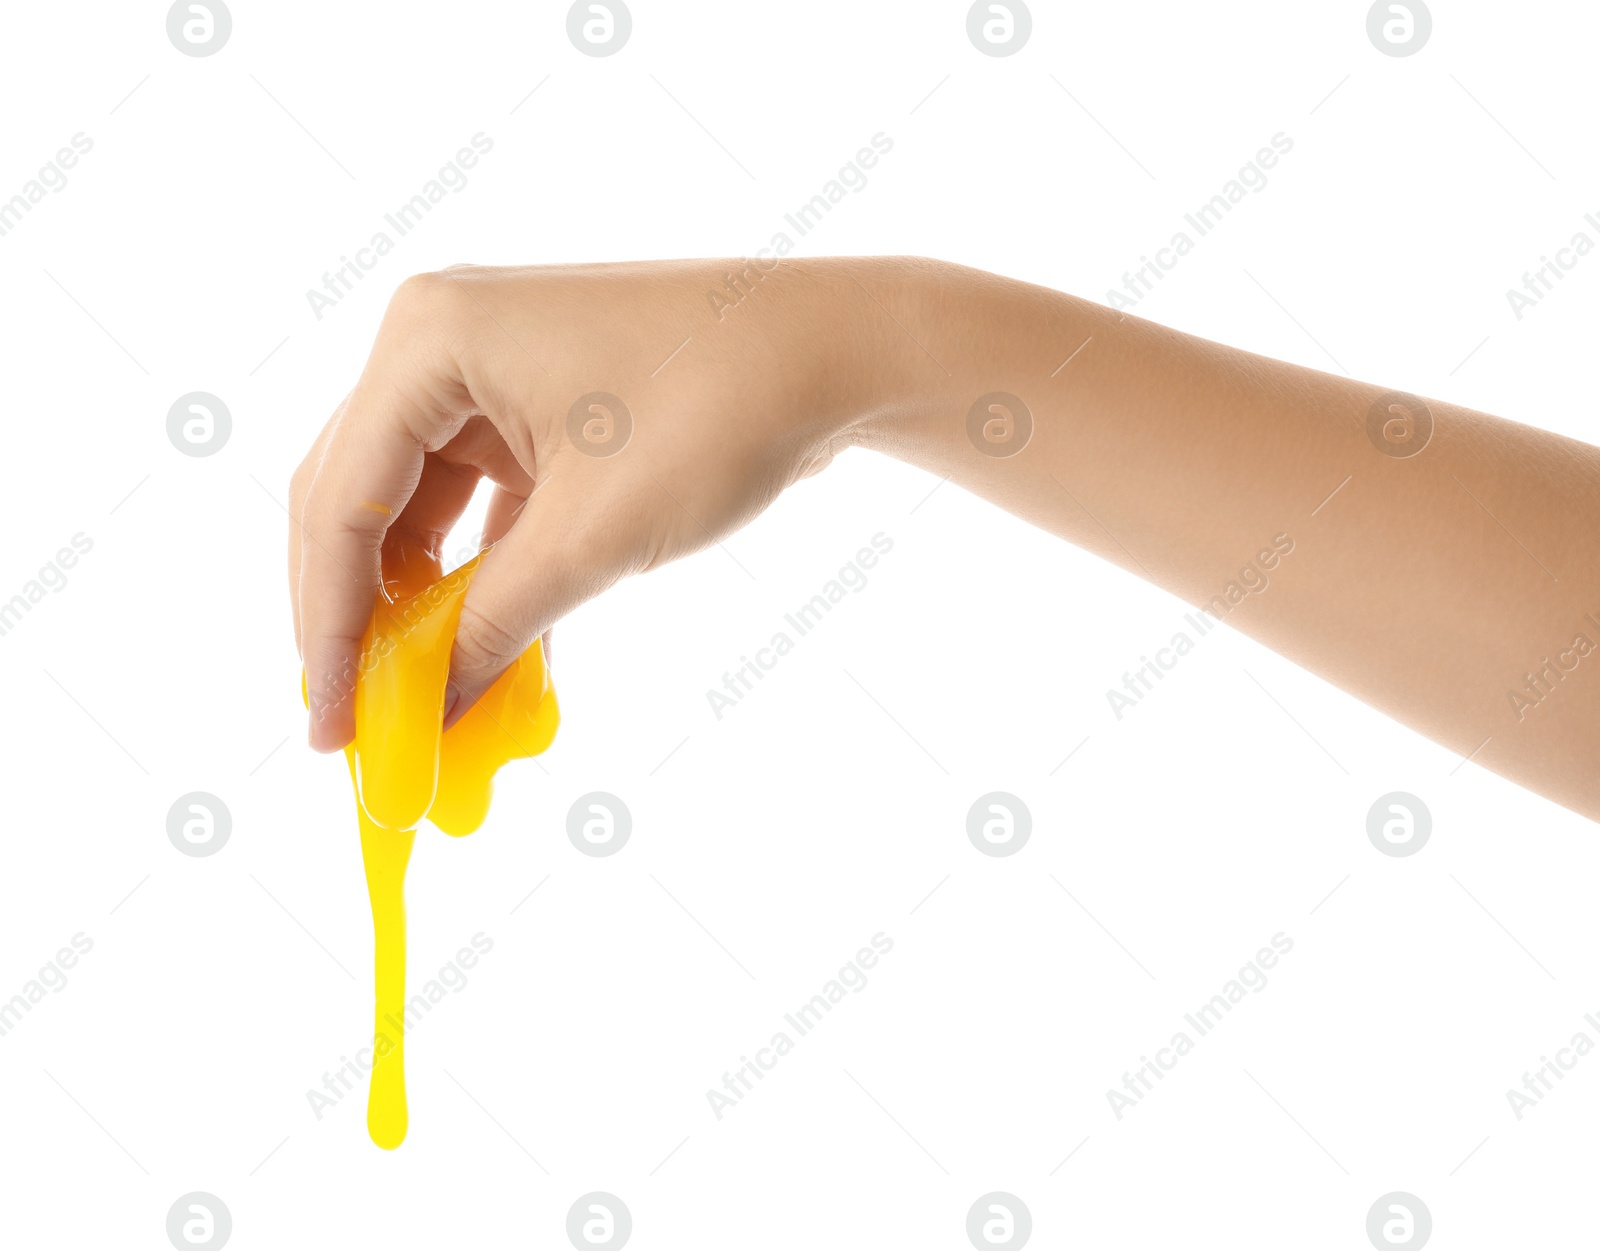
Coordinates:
[541,570]
[299,488]
[504,509]
[411,399]
[442,495]
[368,472]
[449,479]
[481,448]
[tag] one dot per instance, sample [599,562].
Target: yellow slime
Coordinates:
[404,769]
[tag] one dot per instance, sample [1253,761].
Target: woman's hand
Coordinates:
[627,414]
[1442,569]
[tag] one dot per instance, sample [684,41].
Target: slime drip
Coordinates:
[404,769]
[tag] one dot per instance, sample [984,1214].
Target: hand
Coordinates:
[622,421]
[1182,460]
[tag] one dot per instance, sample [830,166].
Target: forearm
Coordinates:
[1430,585]
[629,418]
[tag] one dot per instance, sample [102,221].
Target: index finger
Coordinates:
[299,488]
[410,400]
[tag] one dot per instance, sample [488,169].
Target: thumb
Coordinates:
[545,566]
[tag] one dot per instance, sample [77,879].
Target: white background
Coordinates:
[815,814]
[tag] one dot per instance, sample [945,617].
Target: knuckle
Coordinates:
[416,289]
[433,305]
[418,298]
[428,288]
[482,644]
[339,528]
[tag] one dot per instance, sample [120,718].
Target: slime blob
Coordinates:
[404,768]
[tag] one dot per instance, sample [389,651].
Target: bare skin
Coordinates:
[1443,563]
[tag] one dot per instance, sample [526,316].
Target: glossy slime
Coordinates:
[404,768]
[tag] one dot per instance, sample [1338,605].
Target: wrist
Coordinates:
[946,356]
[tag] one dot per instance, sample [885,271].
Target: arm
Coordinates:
[1448,567]
[1442,565]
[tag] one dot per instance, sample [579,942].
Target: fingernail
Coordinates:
[452,697]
